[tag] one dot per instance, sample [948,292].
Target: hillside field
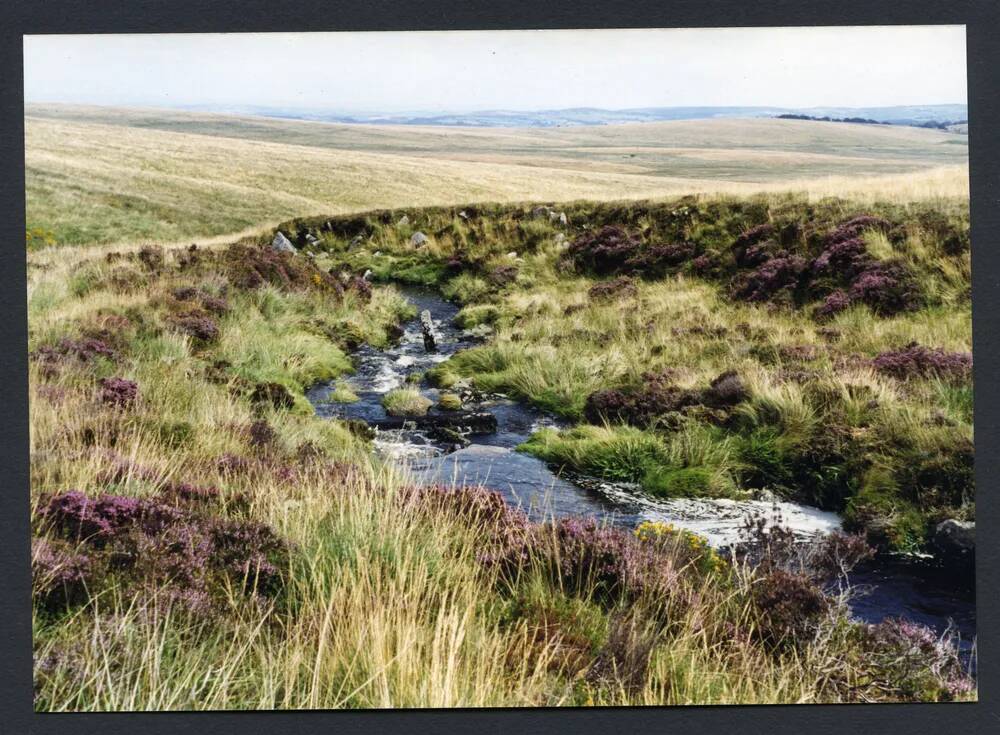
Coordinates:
[99,175]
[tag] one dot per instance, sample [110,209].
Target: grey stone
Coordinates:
[418,239]
[282,244]
[427,326]
[404,220]
[955,536]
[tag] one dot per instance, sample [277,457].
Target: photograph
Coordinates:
[499,368]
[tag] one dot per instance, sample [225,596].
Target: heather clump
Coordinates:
[887,288]
[151,257]
[833,304]
[605,251]
[917,361]
[261,436]
[166,546]
[118,392]
[622,287]
[200,326]
[857,226]
[776,279]
[790,607]
[251,267]
[843,259]
[361,288]
[913,661]
[216,305]
[750,237]
[502,275]
[656,397]
[272,394]
[185,293]
[792,576]
[84,350]
[642,405]
[657,260]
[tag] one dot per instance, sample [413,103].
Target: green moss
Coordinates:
[472,316]
[405,402]
[683,482]
[450,402]
[466,288]
[342,393]
[442,376]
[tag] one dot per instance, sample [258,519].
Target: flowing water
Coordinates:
[916,590]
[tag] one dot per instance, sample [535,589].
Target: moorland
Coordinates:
[712,311]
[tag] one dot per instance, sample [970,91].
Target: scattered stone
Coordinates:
[282,244]
[356,240]
[953,536]
[404,220]
[418,239]
[469,422]
[427,326]
[367,276]
[480,331]
[463,214]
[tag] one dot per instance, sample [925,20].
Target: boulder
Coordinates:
[427,326]
[955,537]
[404,220]
[418,239]
[282,244]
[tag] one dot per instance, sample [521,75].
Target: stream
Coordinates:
[892,587]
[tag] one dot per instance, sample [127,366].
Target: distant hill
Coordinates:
[124,175]
[899,115]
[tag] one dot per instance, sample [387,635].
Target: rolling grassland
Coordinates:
[97,175]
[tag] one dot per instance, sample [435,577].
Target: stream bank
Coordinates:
[919,590]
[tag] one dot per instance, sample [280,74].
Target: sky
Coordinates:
[462,71]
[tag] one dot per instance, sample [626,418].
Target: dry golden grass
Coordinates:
[95,175]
